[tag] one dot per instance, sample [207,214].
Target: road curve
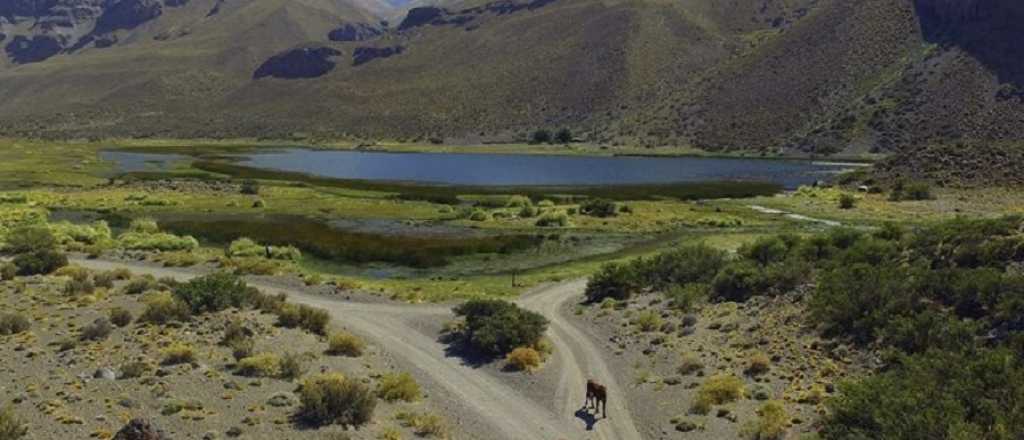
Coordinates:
[509,414]
[581,359]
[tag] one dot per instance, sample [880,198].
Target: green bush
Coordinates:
[30,239]
[771,423]
[143,226]
[857,300]
[162,308]
[685,298]
[345,344]
[331,399]
[11,428]
[647,321]
[260,365]
[139,285]
[40,262]
[157,242]
[178,353]
[717,390]
[937,395]
[214,292]
[847,201]
[518,202]
[311,319]
[601,208]
[8,271]
[13,323]
[619,281]
[911,191]
[497,327]
[529,211]
[293,366]
[553,219]
[120,317]
[564,136]
[398,386]
[541,136]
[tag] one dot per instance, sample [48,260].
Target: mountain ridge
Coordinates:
[812,76]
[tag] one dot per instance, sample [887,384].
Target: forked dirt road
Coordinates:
[496,409]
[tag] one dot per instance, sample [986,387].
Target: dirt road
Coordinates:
[476,396]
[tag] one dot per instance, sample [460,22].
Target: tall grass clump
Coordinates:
[330,398]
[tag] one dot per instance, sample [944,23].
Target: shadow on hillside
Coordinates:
[990,32]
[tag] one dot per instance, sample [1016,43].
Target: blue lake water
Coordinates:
[508,169]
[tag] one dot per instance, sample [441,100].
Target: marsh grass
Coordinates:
[323,241]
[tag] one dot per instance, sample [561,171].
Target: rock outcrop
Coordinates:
[355,32]
[127,14]
[23,50]
[140,429]
[310,62]
[363,55]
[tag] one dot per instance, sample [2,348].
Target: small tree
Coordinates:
[564,136]
[541,136]
[847,201]
[497,327]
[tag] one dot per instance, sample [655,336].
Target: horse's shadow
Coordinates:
[588,418]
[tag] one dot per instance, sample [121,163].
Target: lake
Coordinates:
[505,169]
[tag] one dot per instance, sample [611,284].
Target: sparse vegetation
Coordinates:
[398,386]
[717,390]
[345,344]
[332,399]
[13,323]
[11,427]
[178,353]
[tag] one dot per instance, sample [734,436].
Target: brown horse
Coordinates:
[597,394]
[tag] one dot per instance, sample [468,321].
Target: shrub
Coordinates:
[8,271]
[234,331]
[425,425]
[717,390]
[601,208]
[518,201]
[241,348]
[214,292]
[260,365]
[614,280]
[690,364]
[564,136]
[647,321]
[686,298]
[496,327]
[911,191]
[40,262]
[529,212]
[162,308]
[76,287]
[524,359]
[398,386]
[11,428]
[758,363]
[133,370]
[250,187]
[771,422]
[330,398]
[479,215]
[736,282]
[139,285]
[245,247]
[293,366]
[541,136]
[157,242]
[97,331]
[553,219]
[847,201]
[178,353]
[309,318]
[30,239]
[856,300]
[936,395]
[13,323]
[144,226]
[345,344]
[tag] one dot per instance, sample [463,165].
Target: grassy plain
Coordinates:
[68,180]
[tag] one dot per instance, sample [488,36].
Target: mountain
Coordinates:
[820,76]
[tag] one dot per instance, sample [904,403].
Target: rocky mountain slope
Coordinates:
[819,76]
